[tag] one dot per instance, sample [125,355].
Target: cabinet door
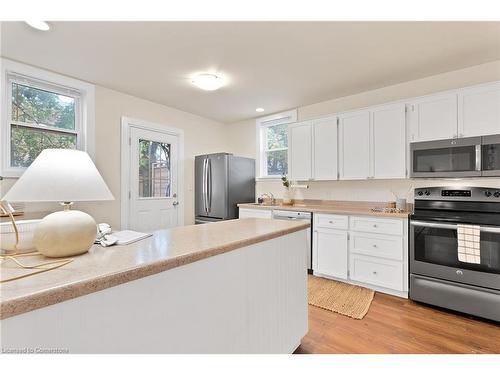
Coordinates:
[355,145]
[433,117]
[479,111]
[325,149]
[389,141]
[330,255]
[300,150]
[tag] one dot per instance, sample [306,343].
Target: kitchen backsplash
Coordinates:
[367,190]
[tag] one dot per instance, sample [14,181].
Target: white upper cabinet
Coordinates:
[433,117]
[388,141]
[325,149]
[373,143]
[479,110]
[300,151]
[354,145]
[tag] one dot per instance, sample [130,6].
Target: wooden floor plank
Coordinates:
[397,325]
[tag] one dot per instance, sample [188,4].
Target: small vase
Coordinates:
[287,198]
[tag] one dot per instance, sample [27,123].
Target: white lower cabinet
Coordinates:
[377,245]
[376,271]
[331,252]
[366,250]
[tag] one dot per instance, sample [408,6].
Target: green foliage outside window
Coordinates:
[43,109]
[277,154]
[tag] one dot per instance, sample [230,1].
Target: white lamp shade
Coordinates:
[60,175]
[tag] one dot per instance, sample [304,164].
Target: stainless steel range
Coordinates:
[437,276]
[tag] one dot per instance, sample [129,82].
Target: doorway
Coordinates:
[151,176]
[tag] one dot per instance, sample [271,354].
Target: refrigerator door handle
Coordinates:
[209,185]
[205,185]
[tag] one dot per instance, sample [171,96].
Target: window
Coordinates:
[40,118]
[272,132]
[42,110]
[154,169]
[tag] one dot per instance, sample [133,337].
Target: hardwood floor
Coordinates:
[396,325]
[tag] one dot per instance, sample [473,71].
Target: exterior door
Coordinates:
[153,180]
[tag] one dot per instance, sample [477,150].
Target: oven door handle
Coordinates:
[450,226]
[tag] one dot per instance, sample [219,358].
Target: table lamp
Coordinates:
[66,176]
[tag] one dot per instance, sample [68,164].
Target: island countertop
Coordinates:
[103,268]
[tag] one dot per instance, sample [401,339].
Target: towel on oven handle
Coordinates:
[469,243]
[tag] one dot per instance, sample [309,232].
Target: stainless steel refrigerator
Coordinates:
[221,182]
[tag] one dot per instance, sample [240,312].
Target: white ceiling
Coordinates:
[274,65]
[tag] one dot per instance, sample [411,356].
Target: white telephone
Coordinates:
[104,238]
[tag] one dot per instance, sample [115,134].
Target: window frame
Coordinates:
[262,124]
[82,92]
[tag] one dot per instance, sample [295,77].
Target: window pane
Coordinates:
[37,106]
[27,143]
[277,136]
[154,169]
[277,163]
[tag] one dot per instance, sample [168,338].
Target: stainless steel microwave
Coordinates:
[457,157]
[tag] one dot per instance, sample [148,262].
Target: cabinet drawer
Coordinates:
[377,225]
[331,221]
[379,245]
[258,213]
[380,272]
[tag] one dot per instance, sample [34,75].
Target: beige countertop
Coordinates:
[333,207]
[103,268]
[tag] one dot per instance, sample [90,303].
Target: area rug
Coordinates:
[346,299]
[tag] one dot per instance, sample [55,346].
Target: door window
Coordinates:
[154,169]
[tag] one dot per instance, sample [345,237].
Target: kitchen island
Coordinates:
[238,286]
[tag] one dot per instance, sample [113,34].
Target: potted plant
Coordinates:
[287,197]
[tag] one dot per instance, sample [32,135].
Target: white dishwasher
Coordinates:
[298,215]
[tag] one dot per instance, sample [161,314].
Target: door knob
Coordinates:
[175,203]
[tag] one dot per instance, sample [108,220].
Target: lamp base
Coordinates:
[65,233]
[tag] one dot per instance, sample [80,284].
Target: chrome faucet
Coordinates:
[270,196]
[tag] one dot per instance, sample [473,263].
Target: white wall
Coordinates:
[201,135]
[242,137]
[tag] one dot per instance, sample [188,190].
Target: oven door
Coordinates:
[448,158]
[433,253]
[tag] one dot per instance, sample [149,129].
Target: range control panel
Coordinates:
[481,194]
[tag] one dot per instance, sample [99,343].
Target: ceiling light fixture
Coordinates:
[259,109]
[39,25]
[208,82]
